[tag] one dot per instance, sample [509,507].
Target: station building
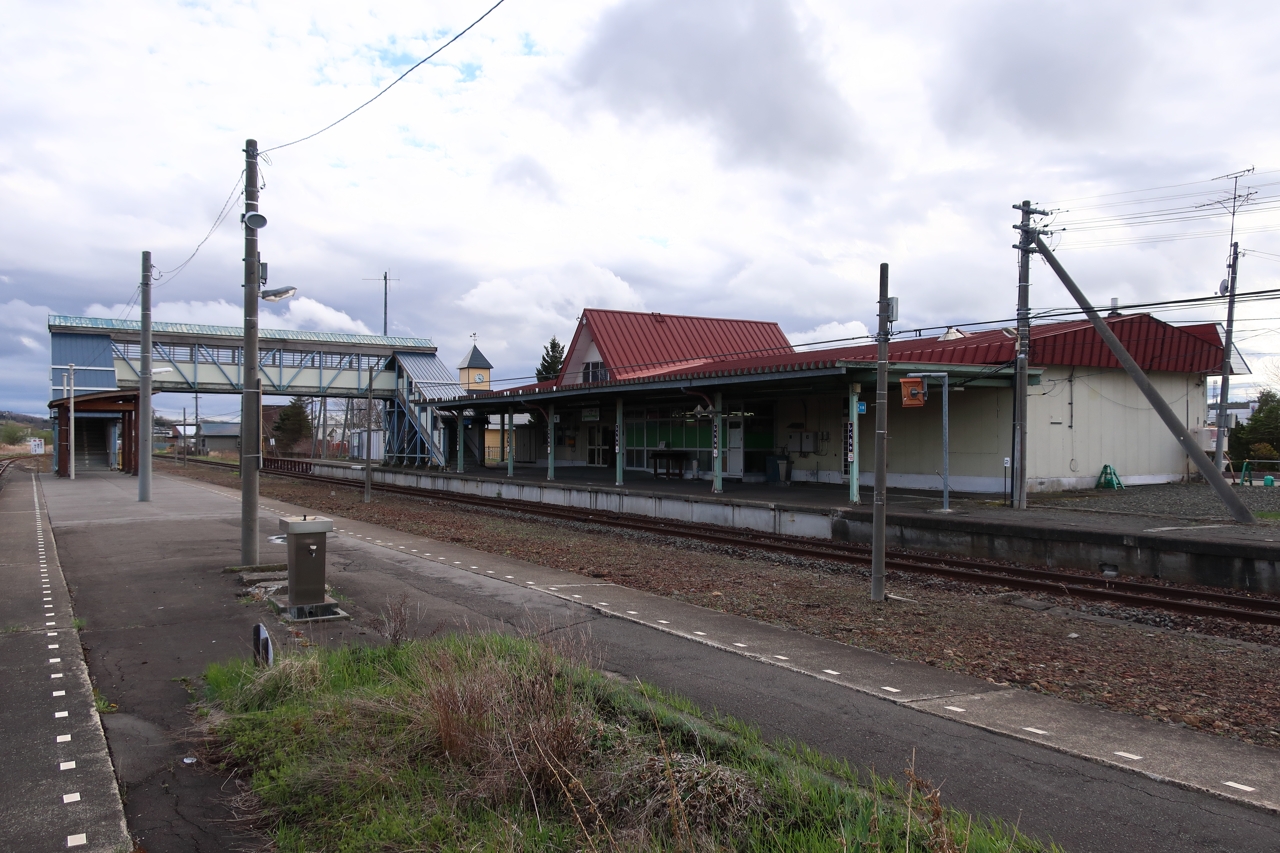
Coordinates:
[665,394]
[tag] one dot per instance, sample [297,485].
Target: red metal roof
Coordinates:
[634,344]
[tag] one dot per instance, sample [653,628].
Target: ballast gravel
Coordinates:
[1206,674]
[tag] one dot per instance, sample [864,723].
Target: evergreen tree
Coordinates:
[292,425]
[552,360]
[1263,428]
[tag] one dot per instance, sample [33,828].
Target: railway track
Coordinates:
[1113,590]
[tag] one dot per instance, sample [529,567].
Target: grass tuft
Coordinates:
[489,742]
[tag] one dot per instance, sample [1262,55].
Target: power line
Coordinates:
[388,87]
[236,192]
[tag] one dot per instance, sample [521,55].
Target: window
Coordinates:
[593,371]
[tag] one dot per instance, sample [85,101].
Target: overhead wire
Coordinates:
[387,88]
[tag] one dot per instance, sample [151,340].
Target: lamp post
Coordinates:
[71,420]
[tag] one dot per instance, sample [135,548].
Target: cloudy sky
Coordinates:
[745,158]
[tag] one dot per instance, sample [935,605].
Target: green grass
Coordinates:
[1271,516]
[494,743]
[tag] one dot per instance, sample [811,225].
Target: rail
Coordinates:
[1193,602]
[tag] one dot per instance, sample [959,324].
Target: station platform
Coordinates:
[1213,551]
[157,607]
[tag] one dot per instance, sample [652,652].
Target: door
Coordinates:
[735,449]
[599,444]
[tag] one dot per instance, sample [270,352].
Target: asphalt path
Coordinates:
[148,582]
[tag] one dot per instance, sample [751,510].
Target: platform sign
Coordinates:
[848,438]
[617,438]
[37,446]
[715,438]
[862,407]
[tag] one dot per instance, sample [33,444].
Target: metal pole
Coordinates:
[251,400]
[462,442]
[717,441]
[511,441]
[619,444]
[184,436]
[946,444]
[1238,510]
[882,438]
[855,391]
[71,419]
[145,416]
[551,441]
[1018,481]
[1224,387]
[368,444]
[384,304]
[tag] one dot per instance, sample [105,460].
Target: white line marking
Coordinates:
[56,675]
[58,715]
[780,657]
[53,645]
[830,672]
[663,622]
[701,633]
[1130,756]
[64,739]
[528,582]
[59,693]
[475,567]
[1034,731]
[741,645]
[891,689]
[55,660]
[633,613]
[606,604]
[77,840]
[71,798]
[577,596]
[47,624]
[67,765]
[1239,787]
[489,572]
[955,708]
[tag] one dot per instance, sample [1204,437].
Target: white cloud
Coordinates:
[834,334]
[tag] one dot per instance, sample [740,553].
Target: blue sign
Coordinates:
[862,408]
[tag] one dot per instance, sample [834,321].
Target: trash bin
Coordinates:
[306,549]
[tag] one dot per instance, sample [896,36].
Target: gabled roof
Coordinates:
[634,343]
[474,358]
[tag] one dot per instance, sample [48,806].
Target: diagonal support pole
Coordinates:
[1208,470]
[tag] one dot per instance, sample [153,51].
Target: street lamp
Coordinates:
[277,294]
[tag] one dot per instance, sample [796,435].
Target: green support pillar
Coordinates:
[854,390]
[619,443]
[551,441]
[511,442]
[462,444]
[717,446]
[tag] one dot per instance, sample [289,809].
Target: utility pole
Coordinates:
[71,419]
[251,400]
[184,436]
[1025,246]
[368,445]
[883,313]
[145,430]
[1237,201]
[385,286]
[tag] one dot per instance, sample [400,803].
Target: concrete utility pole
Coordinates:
[882,438]
[145,428]
[385,286]
[1238,510]
[1224,388]
[1018,480]
[717,441]
[71,420]
[368,445]
[251,400]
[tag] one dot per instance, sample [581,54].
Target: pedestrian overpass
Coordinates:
[190,358]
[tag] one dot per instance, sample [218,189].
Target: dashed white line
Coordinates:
[780,657]
[1129,755]
[830,672]
[56,675]
[741,645]
[1239,787]
[701,633]
[891,689]
[59,693]
[58,715]
[55,660]
[77,840]
[633,613]
[64,739]
[1034,731]
[955,708]
[510,577]
[67,765]
[71,798]
[663,622]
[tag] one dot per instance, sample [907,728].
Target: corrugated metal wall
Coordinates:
[91,354]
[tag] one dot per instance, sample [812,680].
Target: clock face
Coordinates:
[479,377]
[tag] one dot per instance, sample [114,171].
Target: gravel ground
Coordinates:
[1166,669]
[1196,501]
